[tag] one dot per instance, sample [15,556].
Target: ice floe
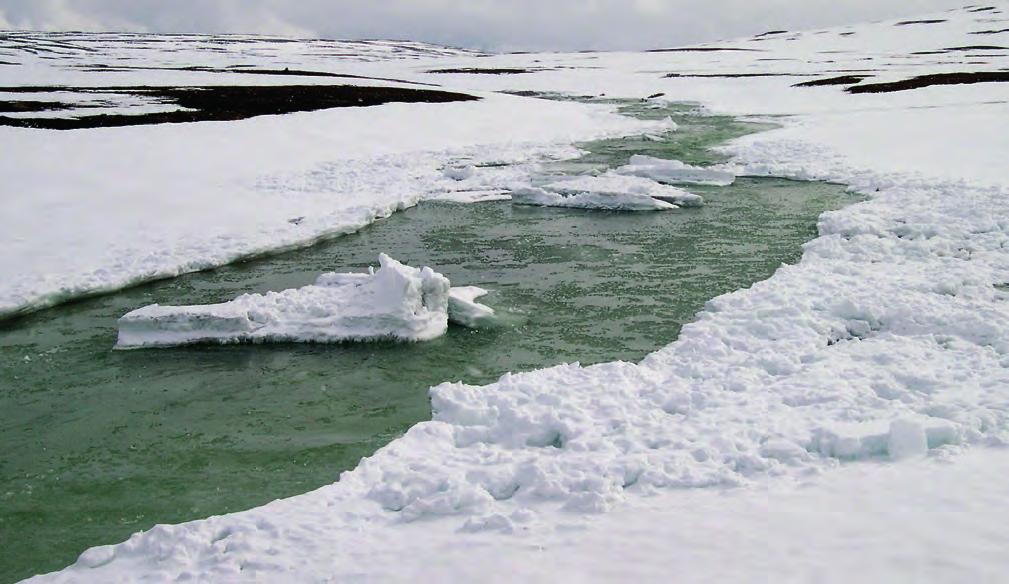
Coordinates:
[675,172]
[607,192]
[539,197]
[395,302]
[610,184]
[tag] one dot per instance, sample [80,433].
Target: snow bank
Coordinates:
[395,302]
[539,197]
[611,184]
[938,521]
[675,172]
[139,203]
[464,310]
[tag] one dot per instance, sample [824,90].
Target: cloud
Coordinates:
[486,24]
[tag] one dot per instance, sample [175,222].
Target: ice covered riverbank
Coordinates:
[130,204]
[896,318]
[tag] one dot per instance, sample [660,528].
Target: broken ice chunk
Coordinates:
[675,172]
[614,184]
[464,310]
[460,172]
[395,302]
[606,202]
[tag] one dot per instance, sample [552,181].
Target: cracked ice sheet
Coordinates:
[95,210]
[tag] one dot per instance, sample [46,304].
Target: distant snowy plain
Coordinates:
[795,423]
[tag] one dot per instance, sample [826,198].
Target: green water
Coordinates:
[97,444]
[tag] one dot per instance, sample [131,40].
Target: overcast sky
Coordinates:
[484,24]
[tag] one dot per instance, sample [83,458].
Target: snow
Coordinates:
[130,204]
[396,302]
[464,310]
[893,327]
[907,439]
[914,521]
[460,172]
[675,172]
[539,197]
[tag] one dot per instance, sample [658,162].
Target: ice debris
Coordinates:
[899,439]
[613,184]
[395,302]
[675,172]
[607,202]
[464,310]
[460,173]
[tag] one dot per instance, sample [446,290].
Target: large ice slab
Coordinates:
[617,185]
[395,302]
[675,172]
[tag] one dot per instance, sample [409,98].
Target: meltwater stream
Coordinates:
[96,444]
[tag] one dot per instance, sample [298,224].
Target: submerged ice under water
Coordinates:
[98,443]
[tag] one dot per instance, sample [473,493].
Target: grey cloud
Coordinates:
[486,24]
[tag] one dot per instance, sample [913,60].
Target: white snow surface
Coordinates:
[675,172]
[601,201]
[888,342]
[395,302]
[615,185]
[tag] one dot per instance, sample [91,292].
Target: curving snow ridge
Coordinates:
[675,172]
[539,197]
[395,302]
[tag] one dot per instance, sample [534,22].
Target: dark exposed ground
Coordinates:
[734,75]
[840,80]
[991,31]
[227,103]
[702,50]
[930,21]
[978,48]
[244,71]
[764,35]
[32,106]
[929,80]
[479,71]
